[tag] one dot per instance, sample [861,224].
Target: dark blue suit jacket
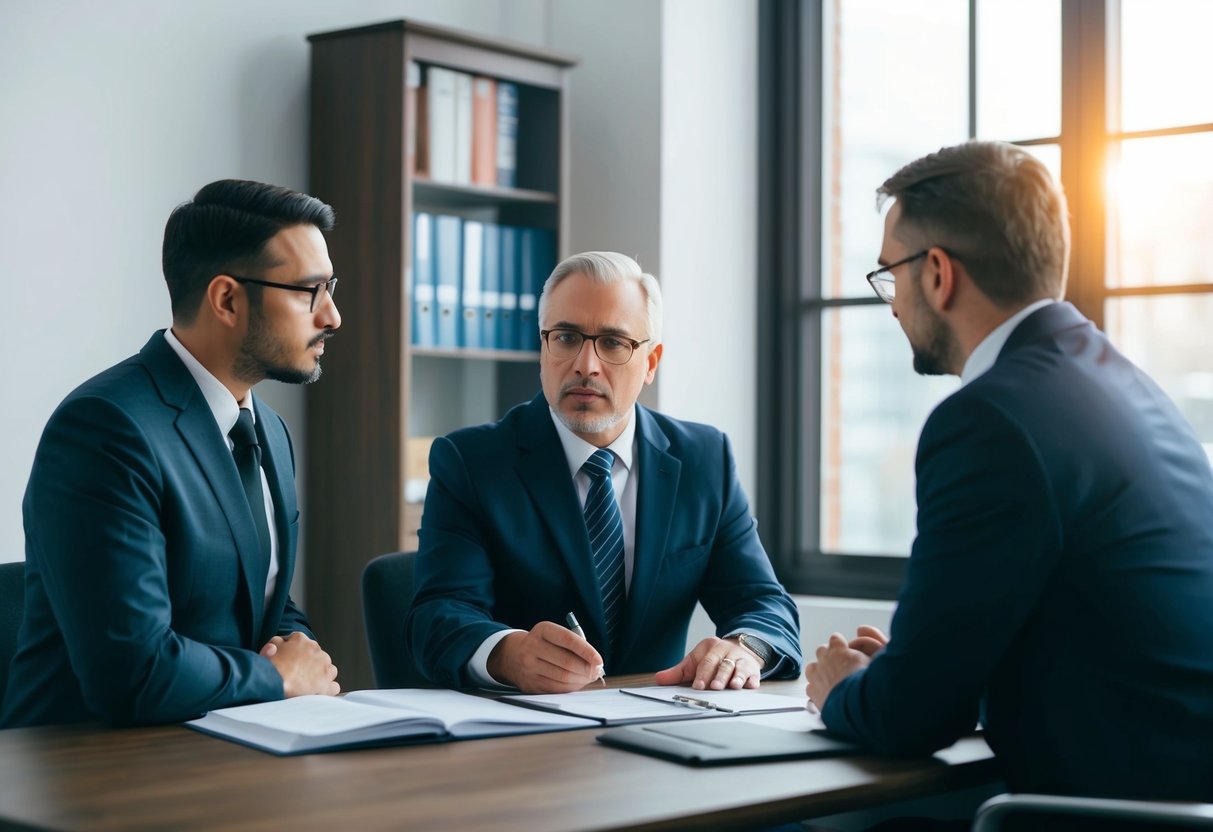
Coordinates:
[503,544]
[143,598]
[1061,582]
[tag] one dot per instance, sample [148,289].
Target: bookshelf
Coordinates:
[382,397]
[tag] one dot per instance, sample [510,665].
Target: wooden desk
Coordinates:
[175,778]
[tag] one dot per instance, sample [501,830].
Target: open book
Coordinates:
[625,706]
[375,717]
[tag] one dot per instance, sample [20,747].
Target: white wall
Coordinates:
[708,218]
[110,115]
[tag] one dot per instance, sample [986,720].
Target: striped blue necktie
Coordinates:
[604,524]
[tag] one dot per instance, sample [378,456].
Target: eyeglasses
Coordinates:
[564,344]
[882,281]
[325,286]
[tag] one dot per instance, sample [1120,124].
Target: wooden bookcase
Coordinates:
[380,396]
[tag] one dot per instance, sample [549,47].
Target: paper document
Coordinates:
[623,706]
[374,717]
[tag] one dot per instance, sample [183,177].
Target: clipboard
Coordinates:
[726,741]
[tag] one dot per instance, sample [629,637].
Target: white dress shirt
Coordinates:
[986,353]
[226,411]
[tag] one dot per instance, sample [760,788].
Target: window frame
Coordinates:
[791,74]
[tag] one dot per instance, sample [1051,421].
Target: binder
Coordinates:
[424,317]
[507,134]
[491,274]
[448,269]
[440,123]
[463,129]
[471,303]
[417,140]
[538,260]
[484,131]
[508,333]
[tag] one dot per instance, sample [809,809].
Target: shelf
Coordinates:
[490,355]
[449,195]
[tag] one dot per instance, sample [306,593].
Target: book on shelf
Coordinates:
[508,325]
[537,258]
[306,724]
[490,334]
[424,316]
[471,303]
[484,131]
[463,129]
[507,134]
[448,271]
[440,122]
[416,111]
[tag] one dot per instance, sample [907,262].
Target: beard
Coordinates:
[263,354]
[582,421]
[933,356]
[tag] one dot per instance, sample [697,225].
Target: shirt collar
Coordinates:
[983,356]
[222,403]
[577,450]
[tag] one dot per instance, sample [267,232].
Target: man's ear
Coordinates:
[224,300]
[939,278]
[653,359]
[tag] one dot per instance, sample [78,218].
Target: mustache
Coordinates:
[584,384]
[324,336]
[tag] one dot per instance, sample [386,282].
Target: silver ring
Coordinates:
[727,660]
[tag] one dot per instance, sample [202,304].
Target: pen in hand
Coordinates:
[571,621]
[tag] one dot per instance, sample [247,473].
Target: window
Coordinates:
[1108,94]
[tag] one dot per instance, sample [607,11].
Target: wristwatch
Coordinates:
[758,647]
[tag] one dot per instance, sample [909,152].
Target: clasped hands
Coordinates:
[303,666]
[550,658]
[838,659]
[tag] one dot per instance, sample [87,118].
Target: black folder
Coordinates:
[725,741]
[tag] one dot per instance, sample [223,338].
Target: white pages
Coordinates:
[374,717]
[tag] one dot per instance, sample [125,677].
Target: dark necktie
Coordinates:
[604,524]
[247,454]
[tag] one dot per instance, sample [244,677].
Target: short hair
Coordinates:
[608,267]
[993,206]
[225,228]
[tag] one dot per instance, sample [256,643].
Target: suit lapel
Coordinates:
[656,493]
[276,459]
[544,471]
[196,426]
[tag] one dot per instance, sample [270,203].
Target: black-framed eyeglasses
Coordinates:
[882,281]
[564,344]
[316,290]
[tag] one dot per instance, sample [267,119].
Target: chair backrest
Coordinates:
[12,607]
[1148,815]
[387,594]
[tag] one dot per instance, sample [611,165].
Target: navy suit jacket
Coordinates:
[143,594]
[1061,584]
[504,544]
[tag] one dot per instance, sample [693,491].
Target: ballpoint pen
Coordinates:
[571,621]
[703,704]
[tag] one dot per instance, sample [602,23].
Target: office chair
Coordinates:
[1148,814]
[12,607]
[387,594]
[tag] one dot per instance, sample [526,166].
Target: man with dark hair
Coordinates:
[1059,587]
[161,515]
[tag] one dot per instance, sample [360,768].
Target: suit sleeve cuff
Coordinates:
[478,666]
